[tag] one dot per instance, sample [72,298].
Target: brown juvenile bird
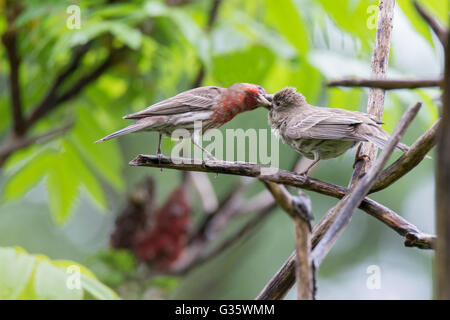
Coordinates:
[213,106]
[322,133]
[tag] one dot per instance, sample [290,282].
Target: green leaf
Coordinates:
[105,157]
[353,17]
[15,272]
[336,65]
[85,176]
[97,289]
[62,187]
[129,36]
[349,99]
[250,65]
[432,109]
[186,25]
[89,281]
[416,20]
[156,9]
[439,9]
[194,34]
[166,283]
[25,276]
[266,36]
[27,176]
[114,10]
[50,283]
[284,14]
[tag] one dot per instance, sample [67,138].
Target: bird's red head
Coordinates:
[239,97]
[253,95]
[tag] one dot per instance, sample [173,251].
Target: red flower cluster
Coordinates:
[163,243]
[157,238]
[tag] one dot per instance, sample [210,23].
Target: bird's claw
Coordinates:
[363,157]
[159,155]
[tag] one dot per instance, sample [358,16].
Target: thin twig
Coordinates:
[442,262]
[355,197]
[258,217]
[299,208]
[52,100]
[49,100]
[409,160]
[212,17]
[23,142]
[386,84]
[9,39]
[434,24]
[205,191]
[382,213]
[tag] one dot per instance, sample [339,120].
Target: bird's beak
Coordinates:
[265,100]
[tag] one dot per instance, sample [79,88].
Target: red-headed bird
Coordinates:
[213,106]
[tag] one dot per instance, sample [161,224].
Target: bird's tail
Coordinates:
[137,126]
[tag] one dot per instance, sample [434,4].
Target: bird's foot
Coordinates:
[159,155]
[358,158]
[304,173]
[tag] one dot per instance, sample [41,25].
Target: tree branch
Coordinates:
[9,39]
[386,84]
[212,17]
[409,160]
[17,143]
[52,100]
[347,207]
[284,279]
[373,208]
[434,24]
[299,208]
[49,100]
[258,217]
[205,191]
[442,269]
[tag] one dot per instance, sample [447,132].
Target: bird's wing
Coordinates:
[192,100]
[323,125]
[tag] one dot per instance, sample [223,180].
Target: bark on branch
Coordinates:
[370,206]
[434,24]
[299,208]
[386,84]
[409,159]
[442,269]
[9,39]
[53,100]
[16,143]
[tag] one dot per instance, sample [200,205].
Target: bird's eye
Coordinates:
[277,103]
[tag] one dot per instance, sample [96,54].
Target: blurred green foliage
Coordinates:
[24,277]
[280,43]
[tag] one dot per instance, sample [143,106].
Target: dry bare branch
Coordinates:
[17,143]
[442,269]
[434,24]
[9,39]
[386,84]
[299,208]
[409,160]
[382,213]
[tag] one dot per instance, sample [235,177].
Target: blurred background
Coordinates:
[91,62]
